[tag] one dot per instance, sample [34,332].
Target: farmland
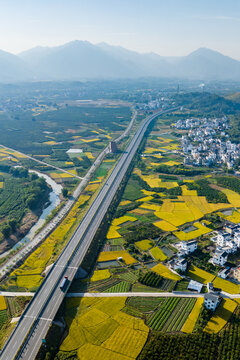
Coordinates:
[221,316]
[158,254]
[165,272]
[200,275]
[193,316]
[114,255]
[29,275]
[171,315]
[99,329]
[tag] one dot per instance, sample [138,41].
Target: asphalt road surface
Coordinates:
[26,338]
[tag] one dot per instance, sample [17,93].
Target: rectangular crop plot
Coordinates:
[200,275]
[158,254]
[171,315]
[122,286]
[145,304]
[221,316]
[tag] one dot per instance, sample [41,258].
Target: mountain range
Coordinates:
[81,60]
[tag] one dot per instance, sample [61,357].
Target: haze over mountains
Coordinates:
[81,60]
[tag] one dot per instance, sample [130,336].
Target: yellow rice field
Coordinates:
[114,255]
[144,244]
[99,330]
[113,232]
[171,163]
[165,272]
[125,202]
[92,187]
[100,275]
[50,142]
[226,285]
[185,236]
[221,316]
[200,275]
[28,275]
[145,199]
[139,211]
[1,184]
[123,219]
[235,217]
[114,227]
[233,197]
[60,175]
[165,226]
[89,140]
[3,305]
[158,254]
[89,155]
[193,316]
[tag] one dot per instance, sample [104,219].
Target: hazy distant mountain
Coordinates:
[79,60]
[207,64]
[12,68]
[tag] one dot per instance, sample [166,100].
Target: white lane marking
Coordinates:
[37,318]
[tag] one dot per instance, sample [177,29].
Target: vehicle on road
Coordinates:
[63,284]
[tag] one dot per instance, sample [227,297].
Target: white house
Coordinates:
[178,264]
[231,247]
[220,258]
[231,228]
[222,238]
[211,301]
[195,285]
[236,238]
[189,246]
[224,273]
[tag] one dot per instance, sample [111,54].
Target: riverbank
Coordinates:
[33,221]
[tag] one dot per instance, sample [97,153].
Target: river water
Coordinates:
[54,201]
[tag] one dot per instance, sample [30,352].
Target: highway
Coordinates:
[26,338]
[24,251]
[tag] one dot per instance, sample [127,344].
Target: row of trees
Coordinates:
[150,279]
[229,182]
[203,188]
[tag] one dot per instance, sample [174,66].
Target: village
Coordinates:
[226,241]
[207,143]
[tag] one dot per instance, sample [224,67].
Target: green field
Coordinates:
[171,315]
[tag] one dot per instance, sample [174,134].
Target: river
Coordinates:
[54,201]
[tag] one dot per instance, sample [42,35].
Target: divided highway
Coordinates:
[26,338]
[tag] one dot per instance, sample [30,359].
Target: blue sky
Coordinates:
[167,27]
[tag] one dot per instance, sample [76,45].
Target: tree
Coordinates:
[13,224]
[6,230]
[65,192]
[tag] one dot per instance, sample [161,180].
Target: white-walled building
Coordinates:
[220,258]
[222,237]
[224,273]
[189,246]
[195,285]
[179,264]
[211,301]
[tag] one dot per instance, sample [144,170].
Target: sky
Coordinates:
[166,27]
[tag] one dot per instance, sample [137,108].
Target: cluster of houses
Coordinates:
[211,299]
[154,104]
[227,242]
[184,248]
[206,142]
